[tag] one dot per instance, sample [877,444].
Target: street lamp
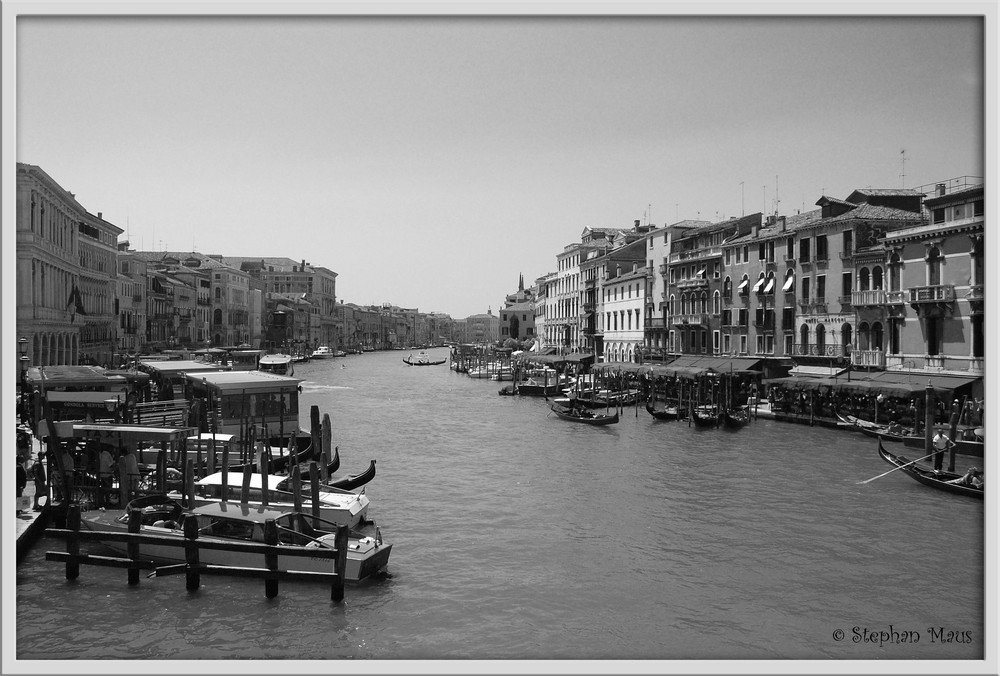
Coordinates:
[22,348]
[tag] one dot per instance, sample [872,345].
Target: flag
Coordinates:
[74,304]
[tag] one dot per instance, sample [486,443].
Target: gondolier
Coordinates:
[941,443]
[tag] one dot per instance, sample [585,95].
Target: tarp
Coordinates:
[805,370]
[580,357]
[770,285]
[789,283]
[758,284]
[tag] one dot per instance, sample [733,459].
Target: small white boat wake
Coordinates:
[307,385]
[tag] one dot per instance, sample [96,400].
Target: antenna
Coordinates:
[902,168]
[776,200]
[743,206]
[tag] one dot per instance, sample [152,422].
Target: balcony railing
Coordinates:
[697,319]
[813,350]
[895,297]
[868,358]
[940,293]
[695,283]
[868,298]
[697,254]
[846,255]
[663,269]
[975,292]
[656,323]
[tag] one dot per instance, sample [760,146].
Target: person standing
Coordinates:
[38,474]
[66,460]
[105,469]
[131,472]
[941,443]
[22,480]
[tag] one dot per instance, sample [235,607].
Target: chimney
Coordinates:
[781,220]
[636,223]
[940,190]
[100,215]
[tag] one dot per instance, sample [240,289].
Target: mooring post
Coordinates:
[929,425]
[123,481]
[73,541]
[271,559]
[132,546]
[956,412]
[263,489]
[225,472]
[189,484]
[314,480]
[315,431]
[193,571]
[327,437]
[297,488]
[340,542]
[245,491]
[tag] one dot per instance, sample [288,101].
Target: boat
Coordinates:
[666,413]
[878,431]
[367,552]
[281,364]
[736,418]
[234,397]
[337,505]
[322,352]
[945,481]
[706,416]
[349,483]
[854,421]
[422,359]
[584,416]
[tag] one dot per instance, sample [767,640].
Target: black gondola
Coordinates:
[945,481]
[736,418]
[585,416]
[706,416]
[349,483]
[666,413]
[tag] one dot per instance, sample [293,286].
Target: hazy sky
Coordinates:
[429,161]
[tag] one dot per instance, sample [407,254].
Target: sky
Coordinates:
[430,161]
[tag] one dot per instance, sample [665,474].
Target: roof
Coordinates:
[235,381]
[882,192]
[876,212]
[72,376]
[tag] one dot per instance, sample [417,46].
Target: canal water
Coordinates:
[517,535]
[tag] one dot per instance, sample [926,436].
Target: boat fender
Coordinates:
[378,536]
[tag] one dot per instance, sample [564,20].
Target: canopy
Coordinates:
[759,283]
[580,357]
[743,285]
[770,285]
[789,283]
[806,370]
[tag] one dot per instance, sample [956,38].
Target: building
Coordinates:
[517,318]
[659,243]
[66,275]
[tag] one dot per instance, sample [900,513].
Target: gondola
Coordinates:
[585,416]
[882,432]
[666,413]
[349,483]
[736,418]
[945,481]
[422,360]
[705,416]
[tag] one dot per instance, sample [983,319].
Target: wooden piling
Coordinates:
[132,546]
[189,484]
[245,490]
[315,431]
[271,559]
[314,480]
[73,542]
[192,570]
[297,488]
[225,472]
[340,542]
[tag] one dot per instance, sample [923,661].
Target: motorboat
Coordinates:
[322,352]
[281,364]
[367,552]
[336,505]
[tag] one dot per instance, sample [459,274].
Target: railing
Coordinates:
[940,293]
[975,292]
[656,323]
[845,301]
[868,358]
[868,298]
[895,297]
[696,283]
[698,254]
[807,350]
[766,324]
[698,318]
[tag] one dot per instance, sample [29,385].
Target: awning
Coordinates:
[918,381]
[757,286]
[769,288]
[580,357]
[789,283]
[742,288]
[701,273]
[803,370]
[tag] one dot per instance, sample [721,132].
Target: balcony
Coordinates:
[696,255]
[975,292]
[868,298]
[939,293]
[895,298]
[656,323]
[590,283]
[874,358]
[813,306]
[827,351]
[695,283]
[845,303]
[765,324]
[588,306]
[663,269]
[846,255]
[691,319]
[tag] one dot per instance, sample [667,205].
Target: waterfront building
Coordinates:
[659,243]
[517,318]
[482,328]
[698,296]
[440,328]
[132,274]
[623,301]
[541,302]
[66,271]
[932,293]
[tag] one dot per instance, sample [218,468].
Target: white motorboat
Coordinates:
[281,364]
[322,352]
[335,505]
[367,553]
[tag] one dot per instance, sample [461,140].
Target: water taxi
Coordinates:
[282,364]
[322,352]
[238,399]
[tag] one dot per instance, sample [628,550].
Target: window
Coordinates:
[934,259]
[761,251]
[848,242]
[790,248]
[805,289]
[789,339]
[760,344]
[846,284]
[726,343]
[746,254]
[977,208]
[728,252]
[743,344]
[715,341]
[821,288]
[804,250]
[704,341]
[939,215]
[821,252]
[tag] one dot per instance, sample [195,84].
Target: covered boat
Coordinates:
[971,484]
[367,553]
[665,413]
[736,418]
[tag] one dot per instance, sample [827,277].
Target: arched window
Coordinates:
[684,304]
[895,272]
[978,273]
[934,260]
[217,316]
[864,279]
[820,339]
[704,302]
[864,336]
[727,288]
[716,303]
[877,277]
[803,339]
[877,336]
[672,305]
[845,339]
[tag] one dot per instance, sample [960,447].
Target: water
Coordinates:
[518,535]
